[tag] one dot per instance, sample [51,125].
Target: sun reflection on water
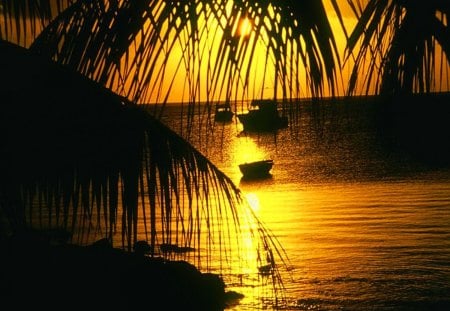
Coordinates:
[246,150]
[253,201]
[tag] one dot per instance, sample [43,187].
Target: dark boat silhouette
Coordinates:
[263,116]
[256,169]
[223,113]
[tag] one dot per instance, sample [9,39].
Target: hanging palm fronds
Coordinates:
[80,158]
[21,21]
[402,45]
[147,50]
[95,151]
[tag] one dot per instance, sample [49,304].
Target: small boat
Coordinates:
[263,116]
[223,113]
[257,169]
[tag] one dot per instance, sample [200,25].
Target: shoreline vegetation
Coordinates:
[41,270]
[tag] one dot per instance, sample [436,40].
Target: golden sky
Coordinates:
[181,82]
[185,85]
[188,78]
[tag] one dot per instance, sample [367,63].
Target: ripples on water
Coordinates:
[365,245]
[364,228]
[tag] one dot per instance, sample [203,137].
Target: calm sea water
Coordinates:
[365,227]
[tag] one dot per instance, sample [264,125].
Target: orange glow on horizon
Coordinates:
[183,77]
[260,70]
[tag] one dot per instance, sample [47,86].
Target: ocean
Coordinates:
[365,226]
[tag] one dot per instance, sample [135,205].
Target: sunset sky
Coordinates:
[179,87]
[184,77]
[185,72]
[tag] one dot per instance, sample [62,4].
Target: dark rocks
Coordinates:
[42,275]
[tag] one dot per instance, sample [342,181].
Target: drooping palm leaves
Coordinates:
[99,152]
[404,46]
[403,49]
[75,152]
[78,157]
[128,46]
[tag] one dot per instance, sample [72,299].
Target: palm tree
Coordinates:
[128,46]
[405,44]
[78,144]
[404,48]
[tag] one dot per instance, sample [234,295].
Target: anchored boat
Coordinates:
[263,116]
[223,113]
[256,169]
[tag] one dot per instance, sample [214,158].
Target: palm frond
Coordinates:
[81,158]
[22,21]
[400,42]
[128,47]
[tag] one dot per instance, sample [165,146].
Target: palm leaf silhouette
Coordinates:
[78,150]
[81,151]
[127,46]
[399,42]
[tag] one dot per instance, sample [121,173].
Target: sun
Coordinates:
[245,27]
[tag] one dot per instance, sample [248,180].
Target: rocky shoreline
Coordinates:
[39,274]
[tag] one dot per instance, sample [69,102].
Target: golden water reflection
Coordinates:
[359,245]
[246,149]
[253,201]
